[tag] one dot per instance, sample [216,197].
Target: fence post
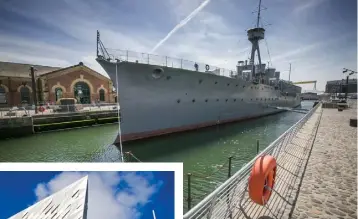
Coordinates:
[181,63]
[166,61]
[127,55]
[257,146]
[148,58]
[189,191]
[229,173]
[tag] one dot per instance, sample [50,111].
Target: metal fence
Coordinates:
[21,111]
[166,61]
[230,199]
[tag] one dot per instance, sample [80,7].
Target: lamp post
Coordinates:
[350,72]
[34,91]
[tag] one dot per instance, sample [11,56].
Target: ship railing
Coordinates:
[230,199]
[166,61]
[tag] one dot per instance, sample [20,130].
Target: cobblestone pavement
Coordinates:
[329,187]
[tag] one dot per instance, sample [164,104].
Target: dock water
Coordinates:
[316,175]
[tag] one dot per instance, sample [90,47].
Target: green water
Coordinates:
[74,145]
[204,152]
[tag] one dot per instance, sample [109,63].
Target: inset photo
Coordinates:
[87,194]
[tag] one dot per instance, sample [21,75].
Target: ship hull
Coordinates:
[180,100]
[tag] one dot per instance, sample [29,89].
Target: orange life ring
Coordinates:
[262,179]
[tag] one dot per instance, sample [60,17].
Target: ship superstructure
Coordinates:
[160,95]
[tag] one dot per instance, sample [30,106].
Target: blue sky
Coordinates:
[319,37]
[112,195]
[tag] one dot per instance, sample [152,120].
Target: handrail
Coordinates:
[199,208]
[165,61]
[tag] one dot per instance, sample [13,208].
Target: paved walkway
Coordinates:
[329,187]
[324,152]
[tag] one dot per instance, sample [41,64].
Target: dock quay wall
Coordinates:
[16,127]
[13,127]
[71,120]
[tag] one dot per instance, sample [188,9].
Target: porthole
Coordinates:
[200,81]
[193,100]
[178,101]
[226,100]
[236,85]
[234,100]
[228,84]
[157,73]
[216,82]
[206,100]
[217,100]
[186,93]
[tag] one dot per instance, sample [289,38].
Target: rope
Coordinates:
[119,121]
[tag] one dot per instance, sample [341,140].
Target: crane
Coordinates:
[307,82]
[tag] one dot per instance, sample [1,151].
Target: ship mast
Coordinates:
[258,15]
[255,35]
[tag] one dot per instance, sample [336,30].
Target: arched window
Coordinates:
[58,93]
[3,98]
[25,94]
[82,93]
[101,95]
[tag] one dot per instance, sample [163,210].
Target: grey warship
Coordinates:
[161,95]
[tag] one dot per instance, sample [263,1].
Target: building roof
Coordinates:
[11,69]
[69,203]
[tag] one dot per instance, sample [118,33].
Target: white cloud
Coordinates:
[107,197]
[216,36]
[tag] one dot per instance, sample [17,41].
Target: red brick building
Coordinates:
[52,83]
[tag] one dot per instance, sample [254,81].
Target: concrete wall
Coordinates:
[15,127]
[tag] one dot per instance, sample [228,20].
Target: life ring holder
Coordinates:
[207,67]
[262,179]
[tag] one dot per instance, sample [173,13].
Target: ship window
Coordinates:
[206,100]
[216,82]
[178,101]
[200,81]
[234,100]
[226,100]
[217,99]
[228,84]
[169,77]
[236,85]
[193,100]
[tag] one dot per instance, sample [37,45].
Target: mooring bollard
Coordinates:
[257,146]
[229,172]
[189,191]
